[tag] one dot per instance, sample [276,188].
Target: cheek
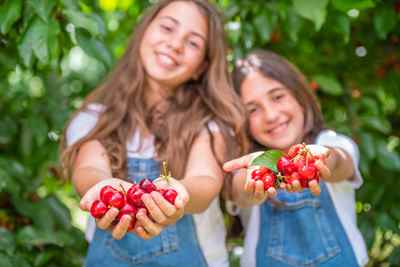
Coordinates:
[255,126]
[194,60]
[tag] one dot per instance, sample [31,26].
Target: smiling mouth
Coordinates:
[278,129]
[166,60]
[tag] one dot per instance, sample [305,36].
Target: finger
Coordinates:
[148,225]
[167,208]
[296,186]
[87,199]
[271,192]
[242,162]
[283,185]
[289,187]
[142,233]
[155,212]
[314,187]
[326,154]
[249,186]
[323,169]
[259,192]
[106,221]
[121,228]
[180,203]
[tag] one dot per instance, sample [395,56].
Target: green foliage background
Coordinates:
[53,52]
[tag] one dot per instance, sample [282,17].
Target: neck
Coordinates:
[156,93]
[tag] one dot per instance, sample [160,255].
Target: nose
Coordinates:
[176,43]
[271,114]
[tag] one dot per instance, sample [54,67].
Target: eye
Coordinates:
[166,28]
[194,44]
[252,110]
[278,97]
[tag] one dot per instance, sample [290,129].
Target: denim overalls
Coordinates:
[176,246]
[302,230]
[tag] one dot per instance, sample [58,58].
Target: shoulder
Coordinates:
[83,122]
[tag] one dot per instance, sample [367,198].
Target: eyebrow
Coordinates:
[273,90]
[177,22]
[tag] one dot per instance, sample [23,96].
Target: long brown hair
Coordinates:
[274,66]
[193,105]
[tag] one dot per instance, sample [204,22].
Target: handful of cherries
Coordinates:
[293,171]
[129,202]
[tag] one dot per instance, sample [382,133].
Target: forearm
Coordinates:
[240,196]
[84,178]
[340,164]
[202,191]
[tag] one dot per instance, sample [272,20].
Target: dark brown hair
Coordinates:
[275,67]
[187,112]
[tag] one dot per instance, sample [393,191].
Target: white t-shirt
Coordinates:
[343,197]
[209,224]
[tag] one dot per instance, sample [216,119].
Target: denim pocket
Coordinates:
[135,250]
[299,231]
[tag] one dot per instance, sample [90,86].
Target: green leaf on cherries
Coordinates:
[268,159]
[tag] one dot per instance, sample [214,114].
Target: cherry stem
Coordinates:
[166,174]
[123,189]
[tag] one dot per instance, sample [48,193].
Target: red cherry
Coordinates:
[130,210]
[170,195]
[147,185]
[294,150]
[257,174]
[161,191]
[286,166]
[98,209]
[134,196]
[308,171]
[106,193]
[269,181]
[117,200]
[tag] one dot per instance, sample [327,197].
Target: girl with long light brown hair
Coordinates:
[169,98]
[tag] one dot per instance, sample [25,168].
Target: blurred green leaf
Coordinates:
[293,25]
[10,12]
[314,10]
[35,42]
[7,241]
[84,21]
[377,123]
[345,5]
[367,146]
[329,84]
[5,260]
[268,159]
[30,236]
[94,48]
[265,24]
[42,8]
[8,130]
[44,257]
[384,21]
[342,26]
[389,160]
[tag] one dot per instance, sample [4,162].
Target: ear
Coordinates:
[200,71]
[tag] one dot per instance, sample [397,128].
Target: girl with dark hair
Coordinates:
[294,228]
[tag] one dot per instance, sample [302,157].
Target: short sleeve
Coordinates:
[82,124]
[333,139]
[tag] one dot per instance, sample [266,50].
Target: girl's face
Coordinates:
[174,45]
[275,116]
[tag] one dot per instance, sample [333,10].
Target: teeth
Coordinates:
[166,60]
